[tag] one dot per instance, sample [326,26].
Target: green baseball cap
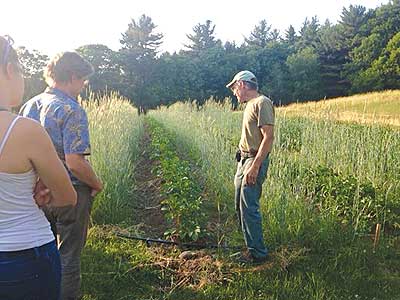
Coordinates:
[243,75]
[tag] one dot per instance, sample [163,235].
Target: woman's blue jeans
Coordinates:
[33,274]
[247,201]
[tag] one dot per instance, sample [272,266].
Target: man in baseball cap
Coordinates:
[244,76]
[253,161]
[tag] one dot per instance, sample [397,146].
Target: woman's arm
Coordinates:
[49,167]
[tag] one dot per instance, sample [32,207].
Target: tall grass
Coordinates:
[369,153]
[328,183]
[115,129]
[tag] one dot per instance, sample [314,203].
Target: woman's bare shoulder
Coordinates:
[29,128]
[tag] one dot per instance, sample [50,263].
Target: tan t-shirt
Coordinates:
[258,112]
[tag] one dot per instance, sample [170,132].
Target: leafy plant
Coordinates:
[353,202]
[183,202]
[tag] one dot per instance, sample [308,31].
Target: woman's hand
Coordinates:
[41,194]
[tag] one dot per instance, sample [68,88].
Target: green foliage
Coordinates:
[141,39]
[351,22]
[202,38]
[384,72]
[291,37]
[333,55]
[356,203]
[305,75]
[361,58]
[309,34]
[138,61]
[289,137]
[385,21]
[372,65]
[33,63]
[260,36]
[358,54]
[107,76]
[183,203]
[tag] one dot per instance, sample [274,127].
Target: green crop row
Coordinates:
[183,201]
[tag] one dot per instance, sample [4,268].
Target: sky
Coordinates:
[52,26]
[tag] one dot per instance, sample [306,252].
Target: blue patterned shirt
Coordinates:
[64,120]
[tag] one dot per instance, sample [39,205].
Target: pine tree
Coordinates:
[138,55]
[203,37]
[309,34]
[351,21]
[141,39]
[260,36]
[290,36]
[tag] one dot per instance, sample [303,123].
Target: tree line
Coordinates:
[360,53]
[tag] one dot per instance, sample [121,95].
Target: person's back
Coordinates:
[22,223]
[29,259]
[59,112]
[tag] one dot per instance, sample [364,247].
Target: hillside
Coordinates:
[377,107]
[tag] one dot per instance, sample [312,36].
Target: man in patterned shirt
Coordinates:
[253,160]
[66,122]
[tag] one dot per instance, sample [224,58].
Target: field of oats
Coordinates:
[373,108]
[334,179]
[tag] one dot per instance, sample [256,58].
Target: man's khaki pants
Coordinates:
[70,225]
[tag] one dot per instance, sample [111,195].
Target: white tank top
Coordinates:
[22,224]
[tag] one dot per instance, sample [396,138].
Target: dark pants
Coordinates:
[32,274]
[247,202]
[71,226]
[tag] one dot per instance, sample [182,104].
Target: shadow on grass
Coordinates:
[114,268]
[108,269]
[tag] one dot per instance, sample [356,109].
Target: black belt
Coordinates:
[245,155]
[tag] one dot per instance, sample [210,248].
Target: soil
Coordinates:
[148,196]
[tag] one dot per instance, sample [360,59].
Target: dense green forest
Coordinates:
[360,53]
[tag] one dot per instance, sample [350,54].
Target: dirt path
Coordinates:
[147,214]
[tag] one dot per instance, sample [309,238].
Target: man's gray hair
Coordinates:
[251,85]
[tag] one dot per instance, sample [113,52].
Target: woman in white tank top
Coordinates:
[29,260]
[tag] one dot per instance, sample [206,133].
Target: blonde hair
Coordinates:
[65,65]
